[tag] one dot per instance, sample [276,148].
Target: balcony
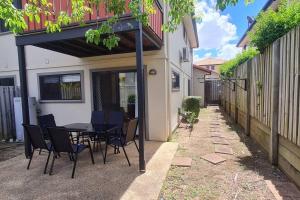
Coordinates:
[71,39]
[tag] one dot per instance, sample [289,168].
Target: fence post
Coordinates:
[236,111]
[275,102]
[248,107]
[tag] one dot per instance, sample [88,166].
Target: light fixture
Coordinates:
[152,72]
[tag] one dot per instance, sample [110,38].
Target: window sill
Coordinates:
[61,101]
[175,90]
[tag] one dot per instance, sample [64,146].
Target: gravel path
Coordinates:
[244,174]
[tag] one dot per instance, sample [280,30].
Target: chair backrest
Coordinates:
[98,117]
[36,136]
[131,130]
[60,139]
[46,121]
[116,118]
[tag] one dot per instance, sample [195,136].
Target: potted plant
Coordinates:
[131,106]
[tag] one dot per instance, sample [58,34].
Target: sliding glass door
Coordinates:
[115,90]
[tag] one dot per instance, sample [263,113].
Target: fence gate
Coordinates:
[212,91]
[7,116]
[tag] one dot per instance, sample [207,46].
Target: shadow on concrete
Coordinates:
[258,162]
[99,181]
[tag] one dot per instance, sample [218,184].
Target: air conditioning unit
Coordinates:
[185,55]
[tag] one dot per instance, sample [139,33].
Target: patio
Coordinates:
[114,180]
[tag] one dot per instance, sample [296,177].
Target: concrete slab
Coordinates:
[182,161]
[114,180]
[223,149]
[213,158]
[217,140]
[148,185]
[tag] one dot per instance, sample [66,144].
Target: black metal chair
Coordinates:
[46,121]
[131,132]
[60,139]
[97,118]
[123,140]
[38,142]
[117,118]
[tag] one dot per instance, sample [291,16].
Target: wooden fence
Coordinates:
[7,116]
[263,97]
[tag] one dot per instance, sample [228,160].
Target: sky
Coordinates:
[219,31]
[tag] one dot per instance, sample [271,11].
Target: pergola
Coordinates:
[134,38]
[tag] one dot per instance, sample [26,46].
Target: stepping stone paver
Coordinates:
[182,161]
[213,158]
[223,149]
[217,140]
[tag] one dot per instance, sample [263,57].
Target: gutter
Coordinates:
[265,7]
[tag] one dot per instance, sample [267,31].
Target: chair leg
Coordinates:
[52,164]
[74,166]
[136,146]
[105,152]
[91,152]
[30,159]
[45,170]
[100,147]
[126,155]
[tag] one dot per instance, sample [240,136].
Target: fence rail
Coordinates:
[7,116]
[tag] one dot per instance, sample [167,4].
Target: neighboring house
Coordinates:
[71,78]
[244,41]
[199,75]
[212,64]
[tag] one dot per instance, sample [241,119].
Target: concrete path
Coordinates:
[230,167]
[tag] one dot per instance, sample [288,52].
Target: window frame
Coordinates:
[9,76]
[175,89]
[80,72]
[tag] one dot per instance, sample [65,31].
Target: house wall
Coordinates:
[162,103]
[198,84]
[39,61]
[176,42]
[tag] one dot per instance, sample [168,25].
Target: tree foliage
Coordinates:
[14,17]
[228,67]
[271,25]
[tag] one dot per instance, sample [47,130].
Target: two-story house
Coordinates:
[70,78]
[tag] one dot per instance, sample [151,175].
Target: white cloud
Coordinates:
[207,55]
[215,32]
[228,51]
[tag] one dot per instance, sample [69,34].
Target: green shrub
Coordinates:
[271,25]
[228,67]
[192,104]
[131,99]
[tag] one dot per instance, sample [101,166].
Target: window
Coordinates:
[212,67]
[64,87]
[2,26]
[7,81]
[184,35]
[175,81]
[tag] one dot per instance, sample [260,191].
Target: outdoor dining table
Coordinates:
[88,129]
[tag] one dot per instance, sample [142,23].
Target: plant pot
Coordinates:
[131,110]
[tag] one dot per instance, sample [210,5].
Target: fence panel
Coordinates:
[289,120]
[7,116]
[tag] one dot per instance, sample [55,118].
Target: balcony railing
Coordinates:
[155,20]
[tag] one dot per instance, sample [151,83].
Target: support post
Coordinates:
[275,103]
[141,94]
[24,96]
[248,107]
